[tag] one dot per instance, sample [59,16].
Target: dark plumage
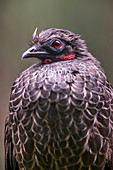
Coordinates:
[61,110]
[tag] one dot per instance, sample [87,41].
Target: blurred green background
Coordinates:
[19,18]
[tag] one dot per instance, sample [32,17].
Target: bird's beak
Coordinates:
[34,51]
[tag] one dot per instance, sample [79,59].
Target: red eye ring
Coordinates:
[57,44]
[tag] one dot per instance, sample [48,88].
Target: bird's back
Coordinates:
[60,117]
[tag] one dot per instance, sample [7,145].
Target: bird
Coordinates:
[61,108]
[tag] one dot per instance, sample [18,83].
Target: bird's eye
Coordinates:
[57,44]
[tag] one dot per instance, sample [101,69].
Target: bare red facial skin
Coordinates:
[68,57]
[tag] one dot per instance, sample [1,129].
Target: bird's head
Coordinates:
[55,45]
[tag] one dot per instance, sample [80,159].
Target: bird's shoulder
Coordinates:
[81,79]
[62,74]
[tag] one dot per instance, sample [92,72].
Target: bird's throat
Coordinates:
[68,57]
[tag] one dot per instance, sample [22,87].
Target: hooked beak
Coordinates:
[34,51]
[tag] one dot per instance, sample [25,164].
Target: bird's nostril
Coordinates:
[32,50]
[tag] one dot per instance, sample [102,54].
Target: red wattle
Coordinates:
[68,57]
[47,61]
